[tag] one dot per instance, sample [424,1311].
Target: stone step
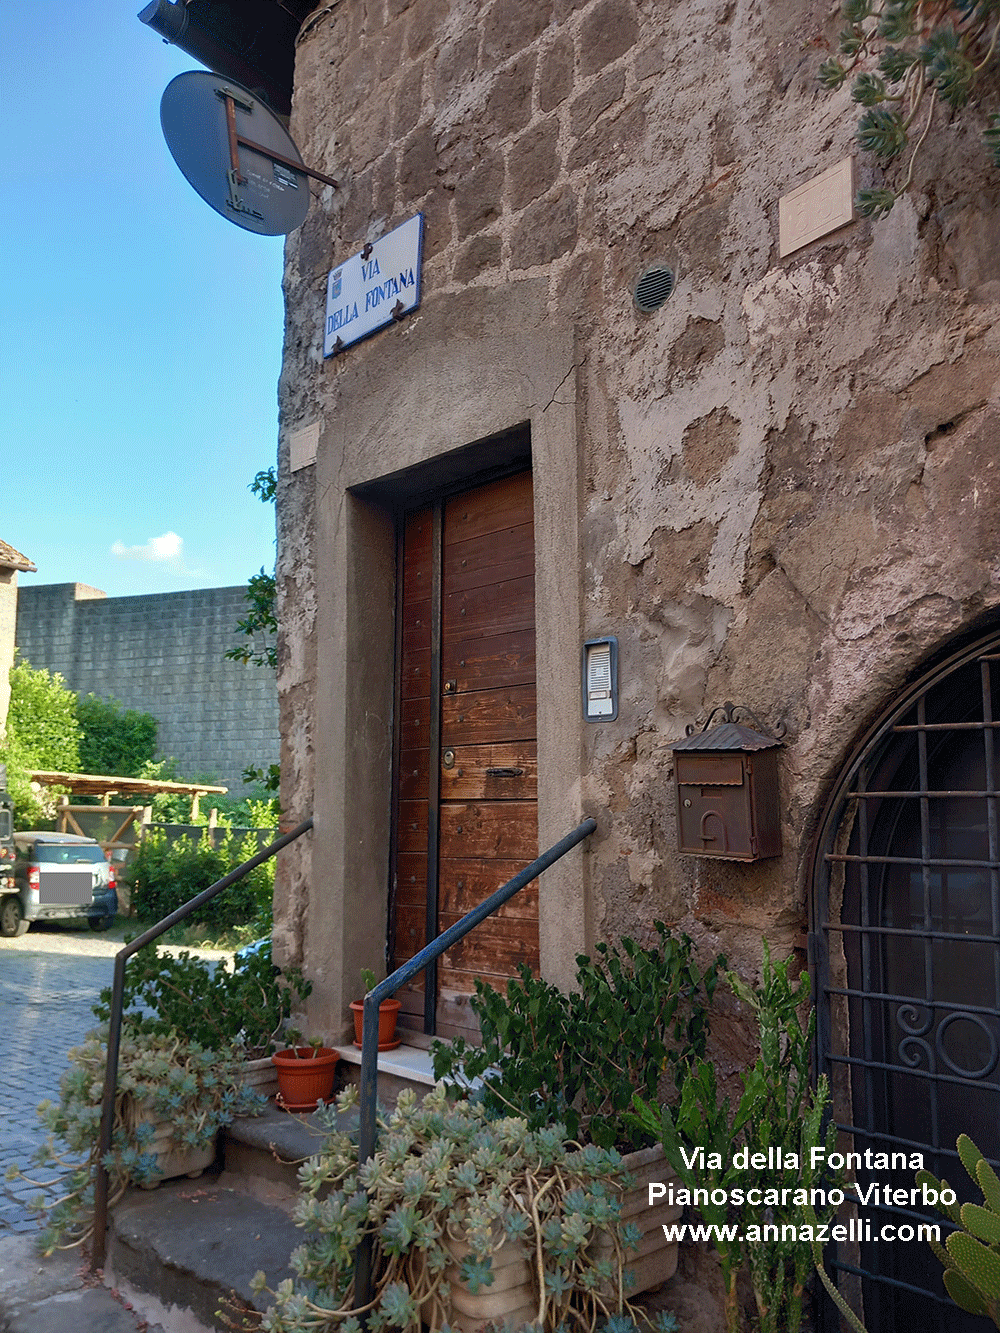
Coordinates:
[262,1154]
[405,1067]
[183,1255]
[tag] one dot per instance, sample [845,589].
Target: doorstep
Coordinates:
[405,1067]
[406,1062]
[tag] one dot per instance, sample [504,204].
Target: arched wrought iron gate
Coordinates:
[905,951]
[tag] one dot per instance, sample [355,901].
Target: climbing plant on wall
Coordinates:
[905,56]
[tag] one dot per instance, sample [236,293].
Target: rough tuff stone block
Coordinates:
[651,60]
[454,64]
[436,209]
[607,32]
[555,73]
[480,254]
[510,26]
[596,100]
[478,199]
[426,21]
[418,164]
[509,103]
[533,163]
[608,136]
[546,230]
[408,102]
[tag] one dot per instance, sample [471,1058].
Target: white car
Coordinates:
[58,876]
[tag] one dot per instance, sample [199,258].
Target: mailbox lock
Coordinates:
[448,759]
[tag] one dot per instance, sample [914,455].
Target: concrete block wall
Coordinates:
[163,653]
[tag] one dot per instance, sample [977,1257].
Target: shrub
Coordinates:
[636,1015]
[247,1009]
[166,874]
[114,739]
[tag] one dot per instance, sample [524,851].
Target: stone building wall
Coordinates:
[163,653]
[781,487]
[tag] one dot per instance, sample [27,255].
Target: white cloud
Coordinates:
[167,550]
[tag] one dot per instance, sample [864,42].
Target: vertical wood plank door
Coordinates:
[467,813]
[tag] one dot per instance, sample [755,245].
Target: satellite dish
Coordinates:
[236,153]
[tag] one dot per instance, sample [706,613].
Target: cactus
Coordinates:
[971,1255]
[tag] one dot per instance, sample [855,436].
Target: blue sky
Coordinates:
[141,331]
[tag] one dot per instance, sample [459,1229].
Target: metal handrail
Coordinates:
[369,1037]
[115,1024]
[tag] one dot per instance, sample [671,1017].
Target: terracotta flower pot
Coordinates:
[305,1076]
[387,1012]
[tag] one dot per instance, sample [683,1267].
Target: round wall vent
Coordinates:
[653,288]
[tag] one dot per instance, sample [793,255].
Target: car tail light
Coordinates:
[112,883]
[33,882]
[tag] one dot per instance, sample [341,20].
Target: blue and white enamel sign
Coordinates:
[373,288]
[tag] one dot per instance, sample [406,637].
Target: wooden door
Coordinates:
[466,772]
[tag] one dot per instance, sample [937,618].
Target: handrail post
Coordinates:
[99,1247]
[363,1275]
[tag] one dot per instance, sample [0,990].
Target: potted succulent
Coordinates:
[472,1221]
[388,1011]
[639,1016]
[172,1098]
[305,1073]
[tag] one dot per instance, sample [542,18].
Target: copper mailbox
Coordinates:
[726,780]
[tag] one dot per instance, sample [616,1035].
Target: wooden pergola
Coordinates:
[107,785]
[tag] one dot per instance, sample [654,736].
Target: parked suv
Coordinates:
[58,876]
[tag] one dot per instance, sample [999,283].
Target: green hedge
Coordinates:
[166,874]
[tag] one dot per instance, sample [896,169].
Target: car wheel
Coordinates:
[100,922]
[12,922]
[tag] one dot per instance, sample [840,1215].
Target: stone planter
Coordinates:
[261,1076]
[656,1259]
[512,1299]
[172,1161]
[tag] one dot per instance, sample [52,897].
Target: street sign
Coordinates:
[236,153]
[373,288]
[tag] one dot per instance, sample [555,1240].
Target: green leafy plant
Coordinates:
[446,1190]
[42,732]
[637,1015]
[779,1114]
[168,873]
[245,1010]
[701,1120]
[905,55]
[164,1081]
[368,980]
[260,624]
[114,739]
[971,1254]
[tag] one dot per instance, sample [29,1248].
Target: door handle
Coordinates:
[504,772]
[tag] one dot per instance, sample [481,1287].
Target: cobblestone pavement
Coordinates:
[49,978]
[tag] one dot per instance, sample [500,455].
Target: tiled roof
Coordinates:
[11,559]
